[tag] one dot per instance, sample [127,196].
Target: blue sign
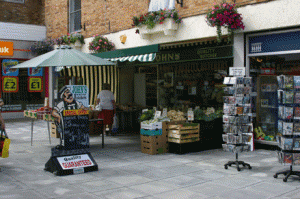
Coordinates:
[35,71]
[275,42]
[6,67]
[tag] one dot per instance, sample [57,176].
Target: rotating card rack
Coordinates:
[288,124]
[237,118]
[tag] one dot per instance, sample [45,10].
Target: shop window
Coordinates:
[75,15]
[15,1]
[156,5]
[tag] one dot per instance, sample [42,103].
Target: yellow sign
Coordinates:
[6,48]
[75,112]
[35,84]
[10,84]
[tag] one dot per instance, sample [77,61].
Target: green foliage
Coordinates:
[148,115]
[150,19]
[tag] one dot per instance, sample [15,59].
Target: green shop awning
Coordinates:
[142,54]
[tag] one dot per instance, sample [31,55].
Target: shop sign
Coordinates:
[6,48]
[10,84]
[35,84]
[80,93]
[194,54]
[6,67]
[35,71]
[75,161]
[237,71]
[15,107]
[286,41]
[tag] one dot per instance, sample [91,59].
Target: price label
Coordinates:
[190,115]
[10,84]
[157,114]
[144,110]
[165,112]
[35,84]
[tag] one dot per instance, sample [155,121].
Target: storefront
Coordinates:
[21,89]
[269,55]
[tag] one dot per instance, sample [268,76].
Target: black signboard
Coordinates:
[75,129]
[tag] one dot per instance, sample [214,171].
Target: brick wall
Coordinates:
[31,12]
[107,16]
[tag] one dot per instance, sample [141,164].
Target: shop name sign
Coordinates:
[6,48]
[75,161]
[207,53]
[167,57]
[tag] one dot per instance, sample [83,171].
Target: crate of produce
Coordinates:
[151,132]
[53,130]
[33,114]
[151,126]
[184,126]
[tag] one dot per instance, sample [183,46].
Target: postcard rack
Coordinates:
[237,118]
[288,96]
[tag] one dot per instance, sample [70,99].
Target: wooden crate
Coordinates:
[53,130]
[183,133]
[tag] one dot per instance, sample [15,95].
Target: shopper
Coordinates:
[106,101]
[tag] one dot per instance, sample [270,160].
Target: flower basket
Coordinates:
[165,21]
[75,40]
[224,15]
[101,44]
[169,28]
[41,47]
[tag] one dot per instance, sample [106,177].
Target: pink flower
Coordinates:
[213,12]
[161,22]
[96,35]
[93,35]
[224,5]
[105,42]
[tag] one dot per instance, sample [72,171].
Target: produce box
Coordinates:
[184,126]
[53,130]
[151,132]
[155,144]
[183,132]
[152,126]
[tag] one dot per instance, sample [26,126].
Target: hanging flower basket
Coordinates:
[42,47]
[74,39]
[224,15]
[101,44]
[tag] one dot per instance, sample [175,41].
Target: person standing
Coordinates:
[1,118]
[106,100]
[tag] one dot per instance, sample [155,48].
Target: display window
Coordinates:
[265,71]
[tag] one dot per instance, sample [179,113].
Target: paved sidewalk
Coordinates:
[125,172]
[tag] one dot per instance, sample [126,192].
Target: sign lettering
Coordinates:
[35,84]
[10,84]
[6,48]
[77,161]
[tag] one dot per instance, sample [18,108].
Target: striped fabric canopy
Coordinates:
[142,58]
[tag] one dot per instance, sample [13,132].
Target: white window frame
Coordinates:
[72,23]
[156,5]
[15,1]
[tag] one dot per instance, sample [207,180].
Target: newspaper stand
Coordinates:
[72,156]
[288,124]
[237,118]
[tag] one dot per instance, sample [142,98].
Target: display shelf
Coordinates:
[289,140]
[237,118]
[266,142]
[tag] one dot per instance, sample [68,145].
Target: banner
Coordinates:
[6,67]
[80,93]
[35,71]
[35,84]
[10,84]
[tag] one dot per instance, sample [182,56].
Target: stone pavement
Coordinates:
[125,172]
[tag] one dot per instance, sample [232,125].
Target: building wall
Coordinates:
[31,12]
[110,16]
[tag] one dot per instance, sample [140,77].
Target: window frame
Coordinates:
[73,12]
[15,1]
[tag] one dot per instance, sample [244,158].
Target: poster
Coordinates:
[35,71]
[10,84]
[6,67]
[35,84]
[80,93]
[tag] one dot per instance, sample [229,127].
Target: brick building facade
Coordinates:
[103,17]
[29,12]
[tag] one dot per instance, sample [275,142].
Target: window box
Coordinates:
[168,28]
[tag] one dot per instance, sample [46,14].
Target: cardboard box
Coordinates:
[53,130]
[153,144]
